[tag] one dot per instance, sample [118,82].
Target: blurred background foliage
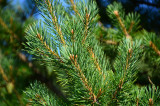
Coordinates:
[149,11]
[17,69]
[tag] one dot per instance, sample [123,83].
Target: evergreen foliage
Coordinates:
[41,96]
[128,24]
[66,39]
[15,69]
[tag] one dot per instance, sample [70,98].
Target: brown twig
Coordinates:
[131,26]
[86,26]
[7,29]
[153,46]
[74,8]
[55,21]
[95,60]
[47,47]
[152,83]
[40,99]
[137,102]
[98,68]
[121,82]
[121,23]
[86,21]
[18,96]
[83,78]
[8,82]
[3,74]
[39,75]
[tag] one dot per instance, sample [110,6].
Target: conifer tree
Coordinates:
[66,39]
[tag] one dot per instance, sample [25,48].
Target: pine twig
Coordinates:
[86,26]
[55,21]
[121,82]
[121,23]
[99,70]
[83,78]
[47,47]
[7,81]
[3,74]
[152,83]
[87,19]
[7,29]
[131,26]
[40,99]
[137,102]
[153,46]
[95,60]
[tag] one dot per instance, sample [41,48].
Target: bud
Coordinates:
[116,13]
[130,50]
[150,102]
[72,31]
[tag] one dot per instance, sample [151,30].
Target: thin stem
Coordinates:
[153,46]
[7,29]
[83,78]
[137,102]
[121,23]
[121,82]
[55,21]
[131,26]
[152,83]
[7,81]
[87,19]
[3,74]
[40,99]
[95,60]
[86,27]
[47,47]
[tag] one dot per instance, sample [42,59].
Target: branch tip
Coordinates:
[116,13]
[150,102]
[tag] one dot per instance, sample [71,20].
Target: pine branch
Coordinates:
[121,82]
[86,26]
[4,25]
[10,85]
[87,17]
[3,74]
[153,46]
[39,94]
[131,26]
[99,70]
[55,21]
[47,47]
[74,8]
[83,78]
[121,23]
[95,60]
[137,100]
